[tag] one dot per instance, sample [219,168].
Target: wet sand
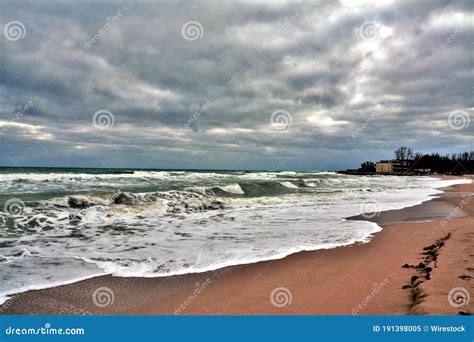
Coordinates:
[407,268]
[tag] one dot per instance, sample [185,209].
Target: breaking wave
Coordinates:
[76,225]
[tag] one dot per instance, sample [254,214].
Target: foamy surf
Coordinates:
[160,223]
[233,189]
[288,185]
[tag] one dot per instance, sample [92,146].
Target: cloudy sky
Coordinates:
[233,85]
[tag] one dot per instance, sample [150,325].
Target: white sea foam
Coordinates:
[288,185]
[184,227]
[233,189]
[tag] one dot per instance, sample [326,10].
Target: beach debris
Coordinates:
[417,297]
[430,256]
[80,202]
[125,198]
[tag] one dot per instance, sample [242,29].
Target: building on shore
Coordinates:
[384,166]
[394,166]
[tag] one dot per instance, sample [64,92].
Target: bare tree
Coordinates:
[399,153]
[404,154]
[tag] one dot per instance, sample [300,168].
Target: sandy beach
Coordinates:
[409,267]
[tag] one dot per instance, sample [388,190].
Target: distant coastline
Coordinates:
[408,163]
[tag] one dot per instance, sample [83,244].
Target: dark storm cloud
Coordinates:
[181,102]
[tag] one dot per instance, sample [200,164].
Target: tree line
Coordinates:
[455,163]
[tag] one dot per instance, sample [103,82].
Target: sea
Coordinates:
[62,225]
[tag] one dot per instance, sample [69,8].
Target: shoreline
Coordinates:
[167,295]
